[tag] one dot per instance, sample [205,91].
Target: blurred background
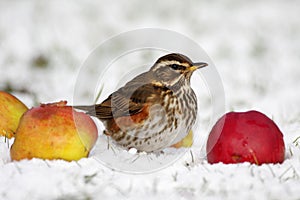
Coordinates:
[255,46]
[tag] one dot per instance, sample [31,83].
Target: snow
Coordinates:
[254,46]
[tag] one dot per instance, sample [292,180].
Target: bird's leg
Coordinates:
[106,132]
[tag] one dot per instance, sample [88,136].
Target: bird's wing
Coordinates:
[128,100]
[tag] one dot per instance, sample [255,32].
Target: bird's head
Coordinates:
[175,68]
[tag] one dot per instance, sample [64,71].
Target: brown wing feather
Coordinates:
[128,100]
[117,105]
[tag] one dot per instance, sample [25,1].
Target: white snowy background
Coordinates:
[255,46]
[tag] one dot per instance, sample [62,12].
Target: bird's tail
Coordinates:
[90,110]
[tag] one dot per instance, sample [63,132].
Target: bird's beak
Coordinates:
[197,66]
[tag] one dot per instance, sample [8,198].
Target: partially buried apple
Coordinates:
[11,110]
[186,142]
[54,131]
[245,137]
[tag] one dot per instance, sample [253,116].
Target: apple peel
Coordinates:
[11,110]
[245,137]
[54,131]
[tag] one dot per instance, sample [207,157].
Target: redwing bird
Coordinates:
[154,110]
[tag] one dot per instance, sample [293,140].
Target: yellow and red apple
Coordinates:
[54,131]
[186,142]
[11,110]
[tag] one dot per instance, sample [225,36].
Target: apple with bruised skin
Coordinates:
[245,137]
[54,131]
[11,110]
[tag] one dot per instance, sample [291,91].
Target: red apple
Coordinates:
[245,137]
[54,131]
[11,110]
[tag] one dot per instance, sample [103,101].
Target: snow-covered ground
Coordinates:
[255,46]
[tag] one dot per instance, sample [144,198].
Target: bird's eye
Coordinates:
[177,67]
